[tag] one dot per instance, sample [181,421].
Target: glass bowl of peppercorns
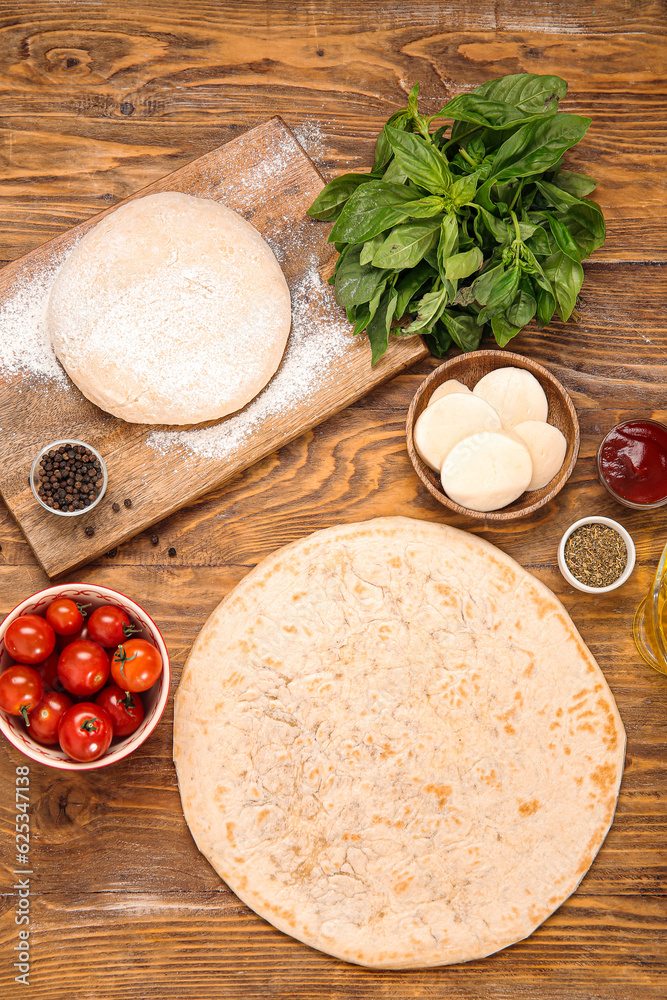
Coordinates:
[68,477]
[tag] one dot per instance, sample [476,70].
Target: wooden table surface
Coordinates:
[99,99]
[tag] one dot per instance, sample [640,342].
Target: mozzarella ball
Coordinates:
[448,421]
[486,471]
[547,447]
[515,394]
[451,385]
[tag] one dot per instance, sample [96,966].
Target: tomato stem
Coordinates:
[130,630]
[82,609]
[89,725]
[127,702]
[24,713]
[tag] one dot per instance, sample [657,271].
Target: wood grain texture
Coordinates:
[124,905]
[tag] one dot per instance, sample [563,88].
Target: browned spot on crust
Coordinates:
[510,729]
[289,628]
[298,595]
[401,886]
[528,808]
[567,751]
[230,832]
[604,777]
[441,792]
[395,562]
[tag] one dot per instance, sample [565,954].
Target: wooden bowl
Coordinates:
[469,369]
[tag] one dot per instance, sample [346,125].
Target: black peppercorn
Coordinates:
[112,552]
[115,507]
[90,531]
[172,551]
[69,478]
[128,502]
[155,540]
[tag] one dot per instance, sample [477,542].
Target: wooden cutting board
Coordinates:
[266,176]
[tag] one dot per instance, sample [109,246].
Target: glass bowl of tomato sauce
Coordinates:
[154,700]
[632,463]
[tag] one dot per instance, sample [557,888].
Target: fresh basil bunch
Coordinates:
[475,225]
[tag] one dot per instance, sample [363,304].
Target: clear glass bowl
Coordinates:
[610,490]
[34,477]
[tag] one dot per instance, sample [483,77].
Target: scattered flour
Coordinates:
[25,347]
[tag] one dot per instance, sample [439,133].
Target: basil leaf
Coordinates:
[356,283]
[585,223]
[563,238]
[528,92]
[481,288]
[462,265]
[394,174]
[330,200]
[537,146]
[422,162]
[566,276]
[449,241]
[424,208]
[463,329]
[504,290]
[577,184]
[546,307]
[463,189]
[373,208]
[378,327]
[480,111]
[438,340]
[522,309]
[369,248]
[383,152]
[429,310]
[496,227]
[406,245]
[410,283]
[560,200]
[539,242]
[503,330]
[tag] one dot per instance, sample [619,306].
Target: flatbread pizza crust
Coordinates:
[392,743]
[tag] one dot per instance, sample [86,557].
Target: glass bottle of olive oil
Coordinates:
[650,624]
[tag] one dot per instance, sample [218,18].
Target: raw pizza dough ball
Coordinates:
[447,422]
[486,471]
[547,447]
[451,385]
[171,310]
[515,394]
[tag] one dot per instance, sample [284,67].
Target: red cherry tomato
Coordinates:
[110,626]
[48,671]
[45,717]
[30,639]
[136,665]
[65,640]
[126,709]
[85,731]
[65,616]
[21,689]
[83,667]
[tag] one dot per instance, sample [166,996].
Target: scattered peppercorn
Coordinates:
[128,502]
[154,540]
[112,552]
[172,551]
[596,555]
[70,478]
[115,507]
[90,531]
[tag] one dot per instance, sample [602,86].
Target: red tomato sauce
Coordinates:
[633,461]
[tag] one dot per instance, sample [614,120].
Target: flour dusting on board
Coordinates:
[25,347]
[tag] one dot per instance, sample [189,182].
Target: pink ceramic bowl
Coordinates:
[154,700]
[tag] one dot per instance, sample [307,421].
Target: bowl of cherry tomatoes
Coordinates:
[84,676]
